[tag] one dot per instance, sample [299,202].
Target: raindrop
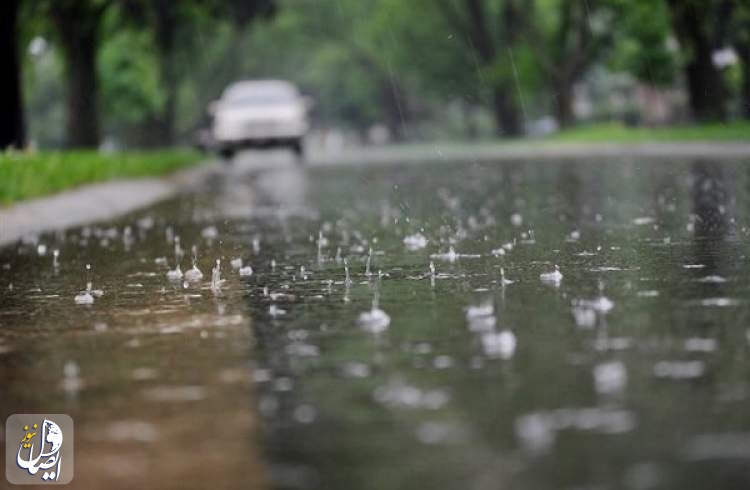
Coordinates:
[554,278]
[375,320]
[485,309]
[498,252]
[348,279]
[416,241]
[499,345]
[713,279]
[71,382]
[216,280]
[503,281]
[305,414]
[697,344]
[356,370]
[442,362]
[209,233]
[452,256]
[368,273]
[584,317]
[87,297]
[178,251]
[174,274]
[194,274]
[679,369]
[610,377]
[275,311]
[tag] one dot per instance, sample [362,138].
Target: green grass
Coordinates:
[618,133]
[28,175]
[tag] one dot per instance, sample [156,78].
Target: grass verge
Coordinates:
[618,133]
[28,175]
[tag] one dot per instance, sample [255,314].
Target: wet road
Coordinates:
[631,371]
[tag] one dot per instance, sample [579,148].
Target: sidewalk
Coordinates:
[91,203]
[530,149]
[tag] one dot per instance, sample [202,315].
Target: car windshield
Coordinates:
[259,96]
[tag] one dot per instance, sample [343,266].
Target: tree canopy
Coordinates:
[141,72]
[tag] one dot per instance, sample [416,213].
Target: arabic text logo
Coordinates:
[44,459]
[40,456]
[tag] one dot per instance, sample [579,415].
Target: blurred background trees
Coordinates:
[120,73]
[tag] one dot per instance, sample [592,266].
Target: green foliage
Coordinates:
[618,133]
[364,61]
[44,96]
[642,47]
[131,92]
[423,45]
[28,175]
[325,47]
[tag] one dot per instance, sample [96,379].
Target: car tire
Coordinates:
[226,154]
[299,150]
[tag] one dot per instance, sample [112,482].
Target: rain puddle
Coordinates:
[525,325]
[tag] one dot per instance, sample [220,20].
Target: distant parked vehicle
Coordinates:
[259,114]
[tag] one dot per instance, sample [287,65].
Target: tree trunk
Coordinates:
[564,103]
[705,87]
[744,55]
[504,105]
[506,112]
[166,22]
[467,113]
[11,105]
[746,88]
[79,35]
[706,91]
[394,108]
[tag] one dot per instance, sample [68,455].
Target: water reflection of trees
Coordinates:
[712,199]
[713,211]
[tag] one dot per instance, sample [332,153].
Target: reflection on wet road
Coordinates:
[577,324]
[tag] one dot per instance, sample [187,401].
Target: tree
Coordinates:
[12,133]
[165,18]
[77,23]
[696,25]
[740,39]
[641,42]
[331,49]
[172,25]
[492,31]
[503,47]
[570,37]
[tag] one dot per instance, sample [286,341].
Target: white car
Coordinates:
[259,114]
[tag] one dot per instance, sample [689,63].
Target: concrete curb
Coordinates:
[95,202]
